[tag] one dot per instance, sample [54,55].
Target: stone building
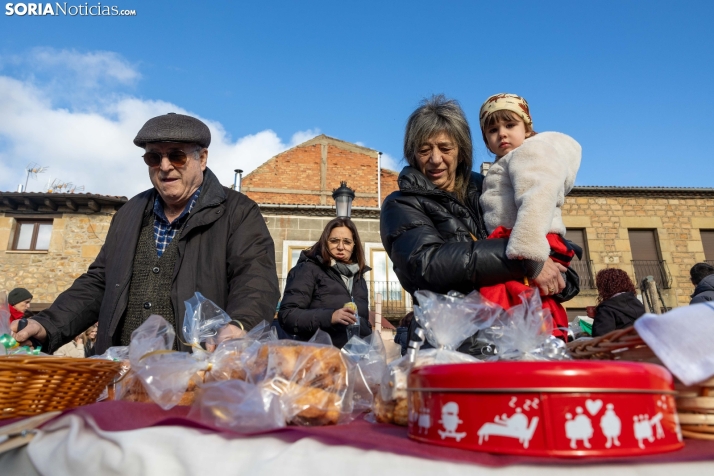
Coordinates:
[659,232]
[47,240]
[646,231]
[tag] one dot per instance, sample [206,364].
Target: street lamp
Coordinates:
[343,200]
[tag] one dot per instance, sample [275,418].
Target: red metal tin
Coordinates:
[546,408]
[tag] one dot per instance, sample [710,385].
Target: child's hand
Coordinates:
[550,281]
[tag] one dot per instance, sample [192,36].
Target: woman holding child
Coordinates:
[434,229]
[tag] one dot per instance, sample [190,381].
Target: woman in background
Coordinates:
[618,306]
[327,286]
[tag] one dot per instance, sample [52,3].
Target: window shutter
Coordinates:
[577,236]
[708,244]
[643,245]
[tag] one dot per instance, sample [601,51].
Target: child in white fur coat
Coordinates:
[524,191]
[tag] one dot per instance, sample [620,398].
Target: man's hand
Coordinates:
[33,329]
[550,281]
[344,316]
[228,332]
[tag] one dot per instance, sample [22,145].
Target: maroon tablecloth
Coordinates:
[122,416]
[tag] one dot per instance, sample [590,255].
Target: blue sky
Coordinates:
[630,80]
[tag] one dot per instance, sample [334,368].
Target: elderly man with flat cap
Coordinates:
[188,233]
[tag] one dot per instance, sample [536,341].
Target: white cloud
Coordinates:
[90,143]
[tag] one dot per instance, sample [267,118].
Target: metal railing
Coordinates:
[396,302]
[584,268]
[655,268]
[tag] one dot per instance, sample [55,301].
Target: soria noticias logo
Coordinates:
[65,9]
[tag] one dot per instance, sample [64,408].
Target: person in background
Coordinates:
[702,275]
[90,336]
[618,306]
[402,335]
[19,300]
[327,277]
[73,348]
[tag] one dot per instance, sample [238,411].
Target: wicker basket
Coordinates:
[695,406]
[30,385]
[622,344]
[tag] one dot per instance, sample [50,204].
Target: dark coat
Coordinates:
[225,252]
[313,291]
[430,237]
[704,291]
[618,312]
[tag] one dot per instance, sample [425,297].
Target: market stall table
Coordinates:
[136,438]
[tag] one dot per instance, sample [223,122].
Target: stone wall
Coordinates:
[74,244]
[676,219]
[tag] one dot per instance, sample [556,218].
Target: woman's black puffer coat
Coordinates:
[431,239]
[313,291]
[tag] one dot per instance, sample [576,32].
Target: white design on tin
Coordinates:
[513,401]
[593,406]
[578,428]
[424,420]
[450,421]
[534,403]
[643,428]
[611,426]
[515,426]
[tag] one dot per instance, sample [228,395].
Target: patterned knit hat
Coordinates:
[508,102]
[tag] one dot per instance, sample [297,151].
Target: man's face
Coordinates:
[177,183]
[23,306]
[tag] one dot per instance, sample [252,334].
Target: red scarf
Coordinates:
[15,314]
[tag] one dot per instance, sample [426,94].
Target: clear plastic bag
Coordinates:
[230,359]
[158,373]
[523,332]
[238,406]
[369,359]
[202,320]
[447,320]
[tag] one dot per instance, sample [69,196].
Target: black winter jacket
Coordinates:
[225,252]
[313,291]
[430,237]
[618,312]
[704,291]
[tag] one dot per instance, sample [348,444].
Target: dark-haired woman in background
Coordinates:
[327,276]
[618,306]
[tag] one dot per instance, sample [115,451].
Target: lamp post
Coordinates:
[343,200]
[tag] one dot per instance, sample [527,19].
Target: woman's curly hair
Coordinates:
[612,281]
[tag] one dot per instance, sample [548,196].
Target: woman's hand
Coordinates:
[344,316]
[550,281]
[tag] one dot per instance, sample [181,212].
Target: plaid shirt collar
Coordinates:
[164,232]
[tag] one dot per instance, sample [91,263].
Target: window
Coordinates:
[32,235]
[646,259]
[395,301]
[581,266]
[708,244]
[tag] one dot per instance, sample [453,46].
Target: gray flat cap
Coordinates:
[173,127]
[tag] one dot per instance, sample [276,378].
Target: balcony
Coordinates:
[655,268]
[584,268]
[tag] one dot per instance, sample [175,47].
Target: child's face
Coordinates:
[503,137]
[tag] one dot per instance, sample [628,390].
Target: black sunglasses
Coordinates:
[177,157]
